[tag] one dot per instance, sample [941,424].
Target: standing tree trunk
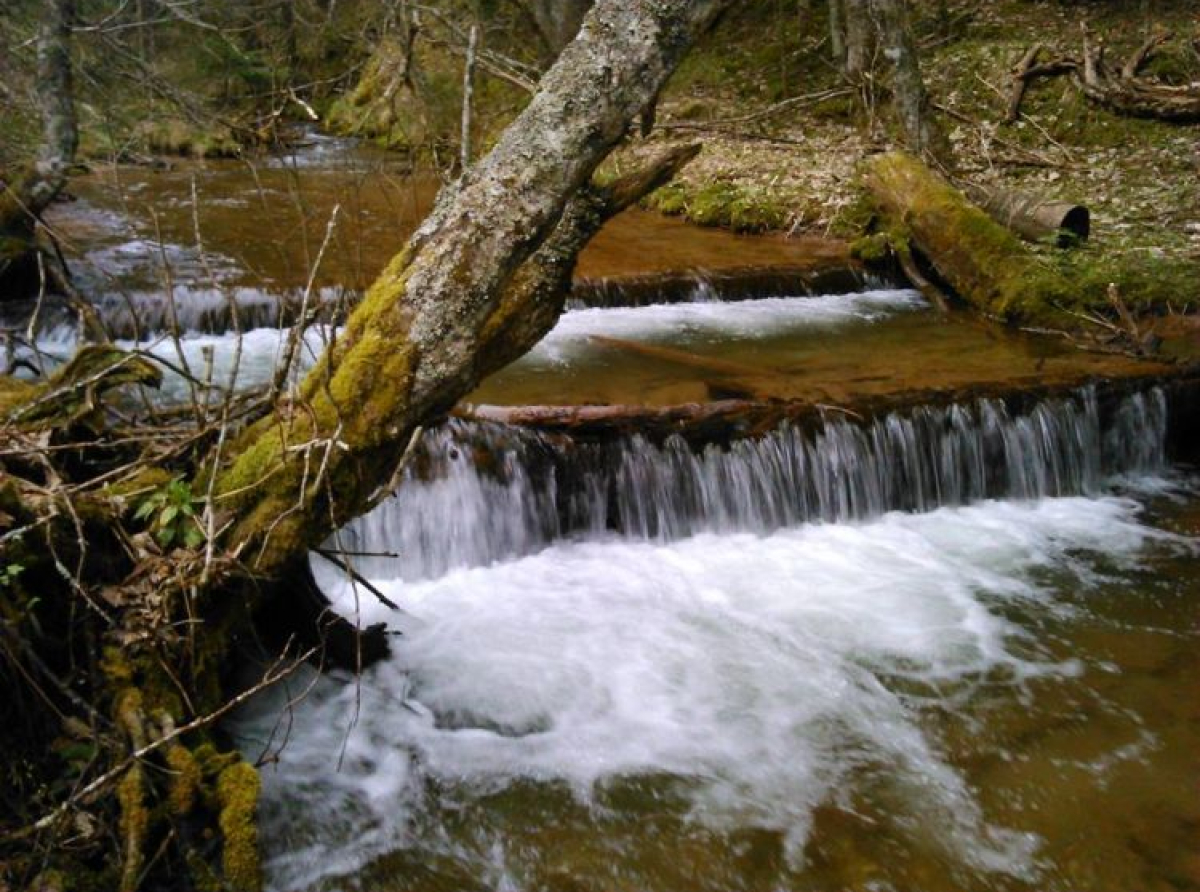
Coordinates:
[557,21]
[32,190]
[837,36]
[859,33]
[911,102]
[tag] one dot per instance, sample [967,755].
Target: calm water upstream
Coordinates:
[952,648]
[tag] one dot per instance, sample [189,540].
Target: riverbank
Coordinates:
[776,160]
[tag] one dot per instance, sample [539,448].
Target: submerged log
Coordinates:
[835,274]
[678,357]
[1033,217]
[721,422]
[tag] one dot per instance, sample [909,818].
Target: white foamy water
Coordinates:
[720,320]
[768,674]
[199,312]
[252,366]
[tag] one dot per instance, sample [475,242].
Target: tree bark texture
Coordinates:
[909,97]
[478,284]
[1034,217]
[34,188]
[859,42]
[837,33]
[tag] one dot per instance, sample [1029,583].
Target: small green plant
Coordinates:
[171,511]
[9,574]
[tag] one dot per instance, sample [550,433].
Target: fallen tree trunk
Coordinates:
[479,284]
[723,421]
[981,261]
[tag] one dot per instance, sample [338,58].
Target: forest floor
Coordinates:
[783,137]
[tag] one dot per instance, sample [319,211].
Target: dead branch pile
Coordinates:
[1122,90]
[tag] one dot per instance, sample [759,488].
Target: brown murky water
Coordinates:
[270,217]
[833,360]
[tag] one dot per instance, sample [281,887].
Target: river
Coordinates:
[950,646]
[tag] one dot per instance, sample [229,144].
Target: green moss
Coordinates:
[115,665]
[237,790]
[185,781]
[174,136]
[872,248]
[670,199]
[134,824]
[128,712]
[737,207]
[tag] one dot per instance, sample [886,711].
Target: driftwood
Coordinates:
[677,356]
[1121,91]
[1126,94]
[729,379]
[1028,69]
[919,280]
[1032,217]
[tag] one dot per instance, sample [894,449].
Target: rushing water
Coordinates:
[947,648]
[636,667]
[495,494]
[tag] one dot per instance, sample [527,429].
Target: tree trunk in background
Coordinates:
[837,38]
[909,98]
[859,31]
[803,14]
[34,188]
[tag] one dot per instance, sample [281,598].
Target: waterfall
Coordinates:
[482,493]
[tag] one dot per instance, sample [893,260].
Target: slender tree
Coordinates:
[31,190]
[909,96]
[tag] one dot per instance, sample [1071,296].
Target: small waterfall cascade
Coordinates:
[481,493]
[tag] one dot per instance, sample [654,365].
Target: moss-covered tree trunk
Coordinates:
[985,264]
[479,284]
